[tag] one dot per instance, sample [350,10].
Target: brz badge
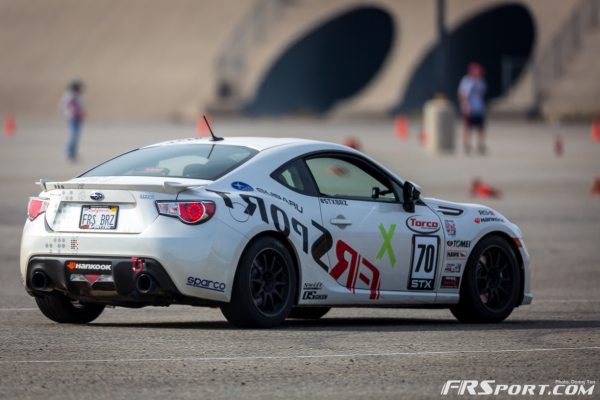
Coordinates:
[97,196]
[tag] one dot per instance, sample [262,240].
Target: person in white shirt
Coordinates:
[73,108]
[471,97]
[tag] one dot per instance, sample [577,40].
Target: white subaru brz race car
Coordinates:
[265,229]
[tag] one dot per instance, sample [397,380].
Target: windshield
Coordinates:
[197,161]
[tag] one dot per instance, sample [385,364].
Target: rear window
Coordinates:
[197,161]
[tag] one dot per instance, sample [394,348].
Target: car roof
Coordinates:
[257,143]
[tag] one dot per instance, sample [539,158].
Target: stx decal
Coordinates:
[386,247]
[424,262]
[357,268]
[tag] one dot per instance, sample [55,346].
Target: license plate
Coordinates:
[99,217]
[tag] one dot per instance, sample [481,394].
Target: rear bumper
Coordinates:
[120,286]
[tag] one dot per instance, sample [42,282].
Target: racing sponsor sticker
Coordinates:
[242,186]
[420,224]
[459,243]
[456,254]
[450,282]
[205,284]
[479,220]
[89,267]
[450,227]
[424,262]
[453,268]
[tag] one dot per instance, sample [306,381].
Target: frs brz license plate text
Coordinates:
[99,217]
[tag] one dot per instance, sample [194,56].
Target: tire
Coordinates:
[308,312]
[491,283]
[60,308]
[264,288]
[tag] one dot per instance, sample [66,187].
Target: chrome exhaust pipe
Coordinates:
[145,284]
[40,281]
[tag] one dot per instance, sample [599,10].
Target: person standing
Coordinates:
[73,108]
[471,97]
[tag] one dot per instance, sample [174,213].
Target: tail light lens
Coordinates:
[36,206]
[190,212]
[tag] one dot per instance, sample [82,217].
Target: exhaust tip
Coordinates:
[145,284]
[39,280]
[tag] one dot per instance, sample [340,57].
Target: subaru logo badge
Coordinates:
[97,196]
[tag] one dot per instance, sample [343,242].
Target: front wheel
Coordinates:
[491,283]
[60,308]
[264,286]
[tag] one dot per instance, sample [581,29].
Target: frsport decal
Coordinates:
[356,268]
[279,219]
[424,262]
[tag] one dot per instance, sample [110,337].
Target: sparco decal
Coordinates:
[287,226]
[205,284]
[417,224]
[357,268]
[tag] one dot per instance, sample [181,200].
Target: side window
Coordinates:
[294,176]
[336,177]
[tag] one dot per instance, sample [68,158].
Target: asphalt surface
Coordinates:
[185,352]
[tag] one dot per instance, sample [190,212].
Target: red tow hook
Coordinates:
[137,264]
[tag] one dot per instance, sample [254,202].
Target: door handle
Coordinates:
[340,221]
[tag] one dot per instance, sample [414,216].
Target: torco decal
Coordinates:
[424,262]
[357,268]
[419,225]
[205,284]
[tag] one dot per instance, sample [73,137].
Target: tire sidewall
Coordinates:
[469,293]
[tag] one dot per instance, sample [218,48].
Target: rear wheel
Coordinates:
[308,312]
[491,283]
[264,286]
[60,308]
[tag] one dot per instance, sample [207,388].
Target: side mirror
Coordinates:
[375,192]
[410,195]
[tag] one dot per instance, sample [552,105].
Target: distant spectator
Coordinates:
[72,106]
[471,96]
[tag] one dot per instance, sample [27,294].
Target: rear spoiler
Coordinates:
[166,187]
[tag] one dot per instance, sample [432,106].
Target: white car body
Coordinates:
[348,252]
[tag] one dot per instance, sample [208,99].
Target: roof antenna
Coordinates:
[214,138]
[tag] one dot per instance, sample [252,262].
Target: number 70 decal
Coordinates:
[424,262]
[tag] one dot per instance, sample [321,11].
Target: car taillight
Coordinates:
[190,212]
[36,206]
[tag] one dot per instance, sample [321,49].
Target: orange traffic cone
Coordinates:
[596,130]
[483,190]
[559,147]
[202,128]
[596,187]
[352,142]
[10,125]
[401,127]
[423,138]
